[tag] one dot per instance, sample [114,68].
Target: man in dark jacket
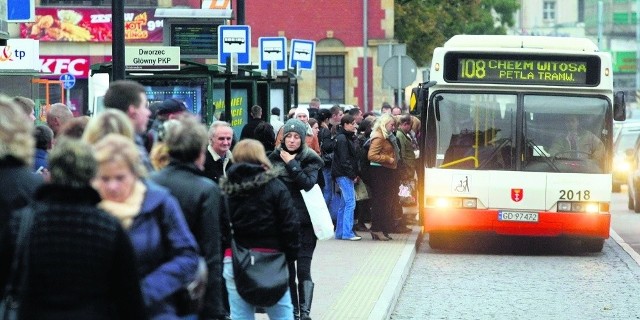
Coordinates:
[199,198]
[248,131]
[218,155]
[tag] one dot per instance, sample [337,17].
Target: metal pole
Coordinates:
[365,53]
[638,49]
[227,93]
[117,44]
[600,6]
[399,101]
[241,17]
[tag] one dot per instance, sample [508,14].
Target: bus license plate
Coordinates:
[517,216]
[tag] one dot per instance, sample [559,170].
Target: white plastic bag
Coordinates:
[319,213]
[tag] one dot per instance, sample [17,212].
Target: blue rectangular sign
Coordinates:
[21,10]
[302,54]
[273,49]
[234,39]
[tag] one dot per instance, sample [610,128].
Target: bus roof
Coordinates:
[531,42]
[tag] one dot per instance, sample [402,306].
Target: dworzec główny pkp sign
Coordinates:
[152,58]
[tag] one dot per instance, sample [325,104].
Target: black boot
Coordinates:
[293,290]
[306,296]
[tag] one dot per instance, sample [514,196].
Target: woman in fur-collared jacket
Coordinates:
[263,218]
[302,165]
[383,156]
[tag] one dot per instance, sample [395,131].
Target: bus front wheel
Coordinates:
[593,245]
[438,240]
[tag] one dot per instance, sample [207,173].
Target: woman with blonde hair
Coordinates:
[166,251]
[383,156]
[17,148]
[263,218]
[108,121]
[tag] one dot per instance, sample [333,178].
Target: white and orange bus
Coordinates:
[517,139]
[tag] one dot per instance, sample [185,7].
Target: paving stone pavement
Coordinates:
[454,285]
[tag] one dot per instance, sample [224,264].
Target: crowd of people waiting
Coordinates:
[123,207]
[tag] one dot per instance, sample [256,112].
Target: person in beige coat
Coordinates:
[383,156]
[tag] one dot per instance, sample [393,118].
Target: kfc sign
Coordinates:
[76,65]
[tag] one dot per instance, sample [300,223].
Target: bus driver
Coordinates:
[583,143]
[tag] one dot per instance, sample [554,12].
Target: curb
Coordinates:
[389,297]
[626,247]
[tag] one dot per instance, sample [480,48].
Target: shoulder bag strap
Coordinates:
[226,204]
[20,264]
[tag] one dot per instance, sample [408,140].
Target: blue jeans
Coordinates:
[344,222]
[331,198]
[242,310]
[327,191]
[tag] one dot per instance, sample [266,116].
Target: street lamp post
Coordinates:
[117,43]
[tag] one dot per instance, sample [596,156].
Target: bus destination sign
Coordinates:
[554,71]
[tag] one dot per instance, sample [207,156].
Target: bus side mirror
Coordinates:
[619,107]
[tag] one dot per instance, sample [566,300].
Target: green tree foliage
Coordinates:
[426,24]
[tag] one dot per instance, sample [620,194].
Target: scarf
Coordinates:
[127,210]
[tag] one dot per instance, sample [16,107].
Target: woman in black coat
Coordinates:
[301,165]
[81,263]
[263,219]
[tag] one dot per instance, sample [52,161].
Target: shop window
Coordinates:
[330,80]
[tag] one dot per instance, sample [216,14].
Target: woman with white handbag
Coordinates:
[302,165]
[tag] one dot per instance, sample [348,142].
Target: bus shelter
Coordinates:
[208,90]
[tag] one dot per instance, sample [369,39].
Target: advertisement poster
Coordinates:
[90,25]
[239,108]
[190,95]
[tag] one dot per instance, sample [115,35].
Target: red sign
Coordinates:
[91,25]
[76,65]
[517,194]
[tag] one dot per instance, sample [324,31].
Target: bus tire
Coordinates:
[593,245]
[438,240]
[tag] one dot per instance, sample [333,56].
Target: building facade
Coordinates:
[75,34]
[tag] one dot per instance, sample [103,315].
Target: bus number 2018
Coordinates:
[575,195]
[473,69]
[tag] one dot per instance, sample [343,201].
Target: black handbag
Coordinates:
[15,289]
[190,298]
[261,278]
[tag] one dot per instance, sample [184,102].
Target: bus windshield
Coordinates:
[556,133]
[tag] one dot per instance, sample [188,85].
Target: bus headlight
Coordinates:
[620,164]
[446,202]
[577,206]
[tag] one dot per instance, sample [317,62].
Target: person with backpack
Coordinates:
[327,136]
[363,206]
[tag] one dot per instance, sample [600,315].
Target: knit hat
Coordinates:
[297,126]
[300,110]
